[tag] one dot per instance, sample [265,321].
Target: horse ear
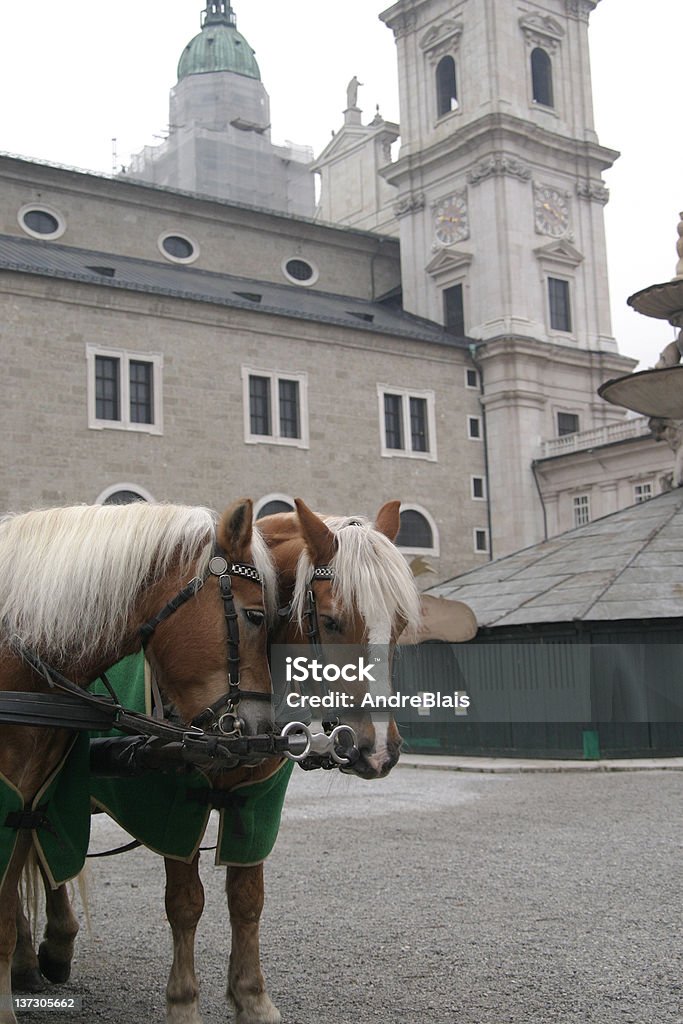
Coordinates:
[234,529]
[388,520]
[319,538]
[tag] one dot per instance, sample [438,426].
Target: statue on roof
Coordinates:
[352,92]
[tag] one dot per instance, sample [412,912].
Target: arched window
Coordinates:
[417,533]
[123,494]
[272,504]
[446,88]
[542,77]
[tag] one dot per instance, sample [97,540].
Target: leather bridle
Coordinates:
[221,716]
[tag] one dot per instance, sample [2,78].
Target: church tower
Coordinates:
[499,197]
[219,127]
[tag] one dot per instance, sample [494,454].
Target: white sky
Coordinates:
[76,73]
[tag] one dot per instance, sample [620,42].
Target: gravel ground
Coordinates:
[428,897]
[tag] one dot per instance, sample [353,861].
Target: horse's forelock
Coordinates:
[371,575]
[263,561]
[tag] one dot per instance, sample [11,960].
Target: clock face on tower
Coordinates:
[551,211]
[451,222]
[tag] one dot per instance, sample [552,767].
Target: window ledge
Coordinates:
[400,453]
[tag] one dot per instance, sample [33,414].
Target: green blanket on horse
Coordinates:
[168,813]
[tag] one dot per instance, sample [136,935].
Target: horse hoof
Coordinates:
[29,979]
[56,971]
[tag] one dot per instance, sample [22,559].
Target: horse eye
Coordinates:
[331,625]
[256,618]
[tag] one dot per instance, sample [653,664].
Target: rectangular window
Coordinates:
[141,392]
[124,390]
[259,405]
[107,397]
[471,379]
[474,428]
[642,492]
[393,421]
[407,423]
[275,407]
[454,310]
[290,416]
[582,510]
[481,540]
[567,423]
[418,425]
[478,488]
[558,301]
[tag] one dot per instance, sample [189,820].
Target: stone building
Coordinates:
[194,338]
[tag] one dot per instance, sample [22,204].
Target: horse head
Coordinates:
[212,658]
[350,594]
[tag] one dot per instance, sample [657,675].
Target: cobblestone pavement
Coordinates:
[428,897]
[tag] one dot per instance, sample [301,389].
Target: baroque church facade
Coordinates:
[436,331]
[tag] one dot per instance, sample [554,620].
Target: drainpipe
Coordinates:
[478,367]
[534,465]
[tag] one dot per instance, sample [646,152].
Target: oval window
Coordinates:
[300,271]
[41,222]
[178,248]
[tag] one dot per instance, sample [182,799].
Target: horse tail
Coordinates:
[30,888]
[33,883]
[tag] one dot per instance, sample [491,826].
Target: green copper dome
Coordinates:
[219,46]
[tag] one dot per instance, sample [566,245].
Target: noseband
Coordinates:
[221,716]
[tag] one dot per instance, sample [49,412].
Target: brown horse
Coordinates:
[365,599]
[76,586]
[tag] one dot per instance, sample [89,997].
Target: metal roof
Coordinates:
[628,565]
[89,266]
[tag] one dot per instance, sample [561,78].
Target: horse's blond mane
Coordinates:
[371,575]
[70,577]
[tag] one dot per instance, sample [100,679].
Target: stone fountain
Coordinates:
[658,392]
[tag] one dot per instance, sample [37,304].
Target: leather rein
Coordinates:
[214,736]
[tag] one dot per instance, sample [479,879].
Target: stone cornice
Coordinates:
[510,133]
[508,396]
[603,363]
[402,18]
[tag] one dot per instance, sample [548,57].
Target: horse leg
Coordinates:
[57,948]
[184,906]
[246,985]
[26,976]
[9,901]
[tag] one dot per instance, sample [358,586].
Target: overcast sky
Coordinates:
[77,73]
